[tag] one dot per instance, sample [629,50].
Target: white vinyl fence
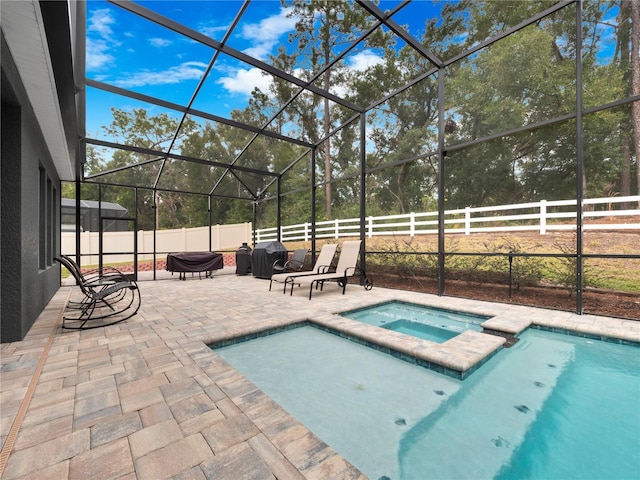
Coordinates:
[540,216]
[223,237]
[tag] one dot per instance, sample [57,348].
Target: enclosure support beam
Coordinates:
[198,113]
[363,201]
[441,155]
[279,210]
[78,219]
[579,160]
[209,212]
[100,232]
[136,249]
[255,216]
[227,50]
[374,10]
[154,206]
[313,202]
[161,156]
[80,74]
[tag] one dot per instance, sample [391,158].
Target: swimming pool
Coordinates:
[552,406]
[429,323]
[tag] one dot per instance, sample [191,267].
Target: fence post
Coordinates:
[306,231]
[370,226]
[543,217]
[337,228]
[412,224]
[467,220]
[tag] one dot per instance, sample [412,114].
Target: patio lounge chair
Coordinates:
[349,253]
[323,263]
[110,297]
[295,264]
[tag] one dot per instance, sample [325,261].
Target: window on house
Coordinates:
[47,220]
[42,220]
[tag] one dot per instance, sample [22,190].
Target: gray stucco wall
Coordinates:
[25,287]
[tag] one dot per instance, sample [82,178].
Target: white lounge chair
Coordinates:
[322,265]
[349,254]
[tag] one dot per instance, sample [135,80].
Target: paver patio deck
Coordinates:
[148,399]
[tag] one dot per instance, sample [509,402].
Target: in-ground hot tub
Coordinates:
[429,323]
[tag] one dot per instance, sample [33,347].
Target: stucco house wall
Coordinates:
[35,155]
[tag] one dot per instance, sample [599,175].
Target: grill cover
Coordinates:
[263,256]
[243,260]
[194,261]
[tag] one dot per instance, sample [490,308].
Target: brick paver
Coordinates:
[147,399]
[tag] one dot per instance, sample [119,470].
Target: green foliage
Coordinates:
[563,270]
[407,259]
[404,258]
[525,271]
[525,78]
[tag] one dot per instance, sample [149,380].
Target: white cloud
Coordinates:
[159,42]
[100,39]
[266,33]
[263,35]
[97,55]
[100,22]
[364,60]
[244,81]
[357,63]
[177,74]
[213,30]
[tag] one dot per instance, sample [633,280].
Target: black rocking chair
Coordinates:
[110,297]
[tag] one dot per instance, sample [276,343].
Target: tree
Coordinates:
[137,128]
[635,84]
[624,64]
[504,86]
[323,27]
[510,84]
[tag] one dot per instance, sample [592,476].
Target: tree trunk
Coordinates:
[625,127]
[635,84]
[326,47]
[327,149]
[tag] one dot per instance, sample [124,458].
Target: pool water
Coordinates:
[420,330]
[433,324]
[552,406]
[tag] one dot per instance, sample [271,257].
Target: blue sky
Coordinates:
[129,52]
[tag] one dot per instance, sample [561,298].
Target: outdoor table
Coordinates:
[193,262]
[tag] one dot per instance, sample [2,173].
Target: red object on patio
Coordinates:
[199,262]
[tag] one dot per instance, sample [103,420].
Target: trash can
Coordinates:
[243,260]
[263,256]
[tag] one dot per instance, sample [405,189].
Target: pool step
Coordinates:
[483,425]
[510,338]
[507,324]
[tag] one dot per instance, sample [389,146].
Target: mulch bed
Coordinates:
[597,302]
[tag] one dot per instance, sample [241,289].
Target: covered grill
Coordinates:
[243,260]
[264,254]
